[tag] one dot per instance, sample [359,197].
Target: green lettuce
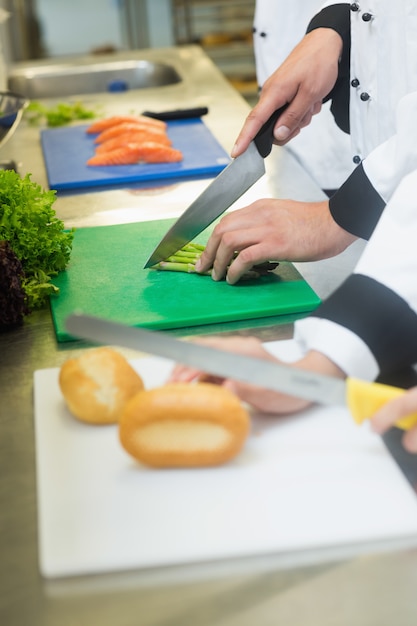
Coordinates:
[37,237]
[60,114]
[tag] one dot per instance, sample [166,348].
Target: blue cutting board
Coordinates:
[105,277]
[66,151]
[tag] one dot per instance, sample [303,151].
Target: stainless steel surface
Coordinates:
[307,385]
[90,74]
[374,591]
[227,187]
[12,106]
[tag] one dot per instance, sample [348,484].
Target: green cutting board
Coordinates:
[105,277]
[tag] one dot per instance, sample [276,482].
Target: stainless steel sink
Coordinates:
[84,75]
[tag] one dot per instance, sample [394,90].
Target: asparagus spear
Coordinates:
[184,260]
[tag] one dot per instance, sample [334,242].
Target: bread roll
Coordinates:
[184,425]
[97,384]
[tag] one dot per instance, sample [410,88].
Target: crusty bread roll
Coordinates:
[184,425]
[97,384]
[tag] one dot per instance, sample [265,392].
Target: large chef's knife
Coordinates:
[362,398]
[227,187]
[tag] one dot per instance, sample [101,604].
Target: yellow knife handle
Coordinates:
[364,399]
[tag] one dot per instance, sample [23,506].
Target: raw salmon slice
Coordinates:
[153,152]
[121,156]
[125,127]
[139,136]
[147,152]
[108,122]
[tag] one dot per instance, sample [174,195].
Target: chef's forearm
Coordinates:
[337,17]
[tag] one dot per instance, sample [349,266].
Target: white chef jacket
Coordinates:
[322,148]
[368,326]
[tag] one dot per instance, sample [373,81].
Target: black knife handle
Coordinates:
[265,137]
[177,114]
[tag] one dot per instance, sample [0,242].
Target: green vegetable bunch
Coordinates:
[184,260]
[58,115]
[29,223]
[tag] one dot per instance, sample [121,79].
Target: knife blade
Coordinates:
[362,398]
[225,189]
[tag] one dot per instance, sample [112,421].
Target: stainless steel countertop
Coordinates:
[377,590]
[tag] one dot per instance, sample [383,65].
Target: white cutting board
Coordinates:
[312,482]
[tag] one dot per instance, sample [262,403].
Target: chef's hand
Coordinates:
[306,77]
[259,398]
[272,230]
[395,410]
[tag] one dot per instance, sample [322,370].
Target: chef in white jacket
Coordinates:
[368,326]
[323,149]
